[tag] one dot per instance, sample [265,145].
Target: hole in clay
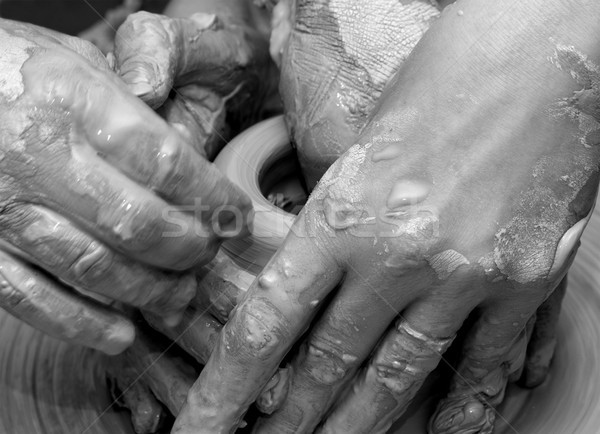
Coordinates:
[281,183]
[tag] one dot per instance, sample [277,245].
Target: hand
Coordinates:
[466,194]
[98,194]
[149,372]
[216,60]
[330,92]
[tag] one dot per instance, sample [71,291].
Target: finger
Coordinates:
[197,334]
[410,351]
[518,352]
[48,38]
[281,22]
[146,411]
[154,53]
[56,245]
[110,207]
[494,349]
[275,311]
[275,392]
[42,303]
[221,284]
[125,132]
[169,377]
[199,113]
[344,336]
[540,350]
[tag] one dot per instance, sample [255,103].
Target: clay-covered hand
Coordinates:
[97,193]
[336,57]
[465,195]
[211,56]
[365,44]
[152,382]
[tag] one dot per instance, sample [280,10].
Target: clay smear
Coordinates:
[583,106]
[15,54]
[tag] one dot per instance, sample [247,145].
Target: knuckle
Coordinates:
[448,262]
[420,227]
[393,379]
[13,216]
[399,375]
[136,227]
[10,296]
[91,264]
[327,364]
[259,330]
[407,358]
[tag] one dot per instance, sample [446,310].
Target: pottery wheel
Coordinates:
[49,387]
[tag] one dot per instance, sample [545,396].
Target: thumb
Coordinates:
[153,53]
[145,56]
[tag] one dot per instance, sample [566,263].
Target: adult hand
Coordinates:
[335,65]
[98,192]
[213,54]
[147,373]
[466,193]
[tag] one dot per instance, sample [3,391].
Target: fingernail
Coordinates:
[205,21]
[141,89]
[228,225]
[118,338]
[111,60]
[464,415]
[473,412]
[173,319]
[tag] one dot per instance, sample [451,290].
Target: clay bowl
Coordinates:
[49,387]
[262,162]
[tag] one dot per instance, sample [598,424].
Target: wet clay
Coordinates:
[584,105]
[11,82]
